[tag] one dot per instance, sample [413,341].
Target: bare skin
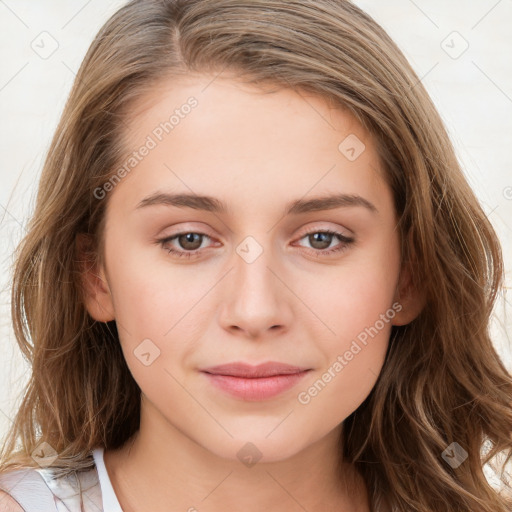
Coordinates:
[293,303]
[9,504]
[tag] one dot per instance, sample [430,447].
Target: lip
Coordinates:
[255,383]
[240,369]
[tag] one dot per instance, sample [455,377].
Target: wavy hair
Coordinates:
[442,380]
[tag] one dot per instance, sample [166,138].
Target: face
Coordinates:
[264,270]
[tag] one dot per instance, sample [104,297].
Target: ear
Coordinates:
[409,297]
[95,290]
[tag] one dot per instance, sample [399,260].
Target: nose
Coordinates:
[256,297]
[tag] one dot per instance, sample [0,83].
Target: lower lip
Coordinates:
[255,389]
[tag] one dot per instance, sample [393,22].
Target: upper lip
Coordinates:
[239,369]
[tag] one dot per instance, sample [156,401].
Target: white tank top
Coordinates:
[38,490]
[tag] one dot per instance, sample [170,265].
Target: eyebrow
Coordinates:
[214,205]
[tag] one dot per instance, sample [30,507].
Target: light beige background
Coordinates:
[473,93]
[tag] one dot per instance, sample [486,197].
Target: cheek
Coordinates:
[361,318]
[150,293]
[159,310]
[356,303]
[357,293]
[335,392]
[156,320]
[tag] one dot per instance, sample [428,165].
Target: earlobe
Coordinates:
[94,286]
[411,300]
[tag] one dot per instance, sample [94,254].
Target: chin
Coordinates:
[255,447]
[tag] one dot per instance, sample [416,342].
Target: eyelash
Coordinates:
[345,243]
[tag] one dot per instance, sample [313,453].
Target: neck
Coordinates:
[161,469]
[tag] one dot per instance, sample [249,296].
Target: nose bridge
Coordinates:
[253,279]
[256,300]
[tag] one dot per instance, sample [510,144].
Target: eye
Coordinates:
[190,242]
[321,240]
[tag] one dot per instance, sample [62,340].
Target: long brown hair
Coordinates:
[442,381]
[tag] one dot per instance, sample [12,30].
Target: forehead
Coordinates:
[226,100]
[218,136]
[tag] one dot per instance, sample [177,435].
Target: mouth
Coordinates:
[255,383]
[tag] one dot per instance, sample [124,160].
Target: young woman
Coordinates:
[255,279]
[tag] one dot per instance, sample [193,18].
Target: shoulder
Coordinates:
[8,503]
[37,489]
[23,490]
